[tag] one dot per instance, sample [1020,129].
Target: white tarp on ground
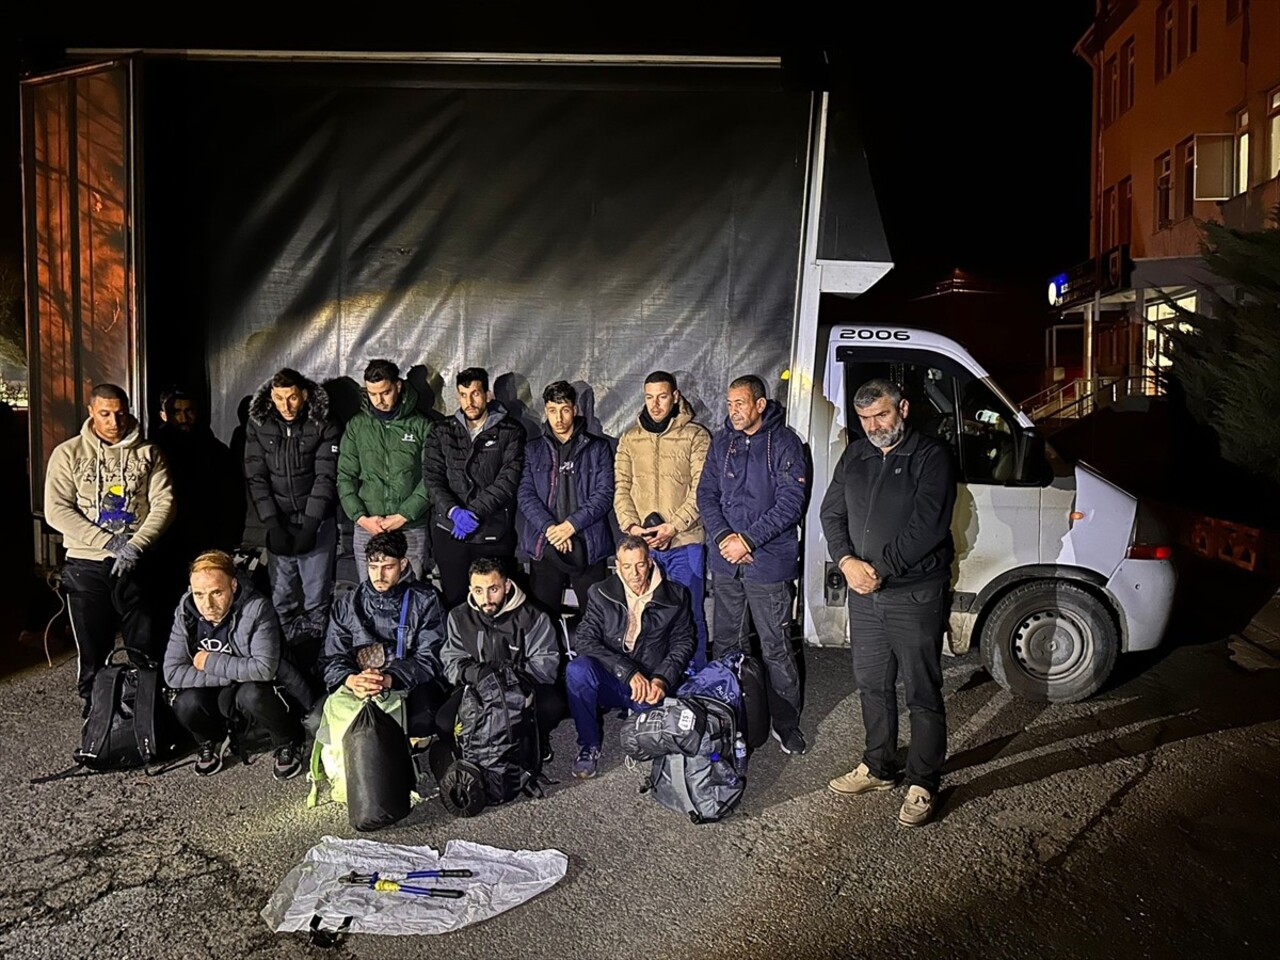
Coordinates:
[503,879]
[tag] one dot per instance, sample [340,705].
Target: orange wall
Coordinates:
[1202,95]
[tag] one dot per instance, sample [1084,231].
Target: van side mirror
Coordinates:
[1033,469]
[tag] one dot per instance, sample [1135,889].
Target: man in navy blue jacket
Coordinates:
[751,498]
[566,492]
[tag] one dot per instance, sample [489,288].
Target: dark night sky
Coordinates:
[979,143]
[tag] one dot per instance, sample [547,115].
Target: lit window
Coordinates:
[1242,151]
[1273,134]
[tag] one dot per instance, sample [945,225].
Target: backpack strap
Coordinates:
[676,770]
[404,616]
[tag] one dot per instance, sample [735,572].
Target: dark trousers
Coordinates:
[896,632]
[205,711]
[453,558]
[98,604]
[302,586]
[687,566]
[548,706]
[547,582]
[421,709]
[740,603]
[593,688]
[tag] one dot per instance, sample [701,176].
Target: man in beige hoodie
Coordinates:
[655,496]
[107,492]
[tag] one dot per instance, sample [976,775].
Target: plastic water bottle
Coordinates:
[740,754]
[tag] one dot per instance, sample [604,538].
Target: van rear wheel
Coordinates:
[1050,640]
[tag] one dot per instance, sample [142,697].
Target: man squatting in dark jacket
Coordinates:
[887,520]
[364,653]
[495,625]
[471,466]
[634,644]
[751,497]
[223,659]
[291,462]
[566,493]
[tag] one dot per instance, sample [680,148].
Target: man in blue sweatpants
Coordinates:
[634,644]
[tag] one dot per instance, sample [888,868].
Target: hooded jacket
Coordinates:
[254,657]
[365,616]
[380,462]
[481,475]
[588,464]
[659,473]
[756,486]
[519,634]
[93,489]
[666,640]
[292,467]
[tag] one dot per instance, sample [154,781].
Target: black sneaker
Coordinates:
[791,742]
[288,762]
[209,756]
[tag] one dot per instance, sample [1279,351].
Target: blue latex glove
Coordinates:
[126,559]
[465,523]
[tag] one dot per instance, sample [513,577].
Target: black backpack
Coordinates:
[699,759]
[497,734]
[130,723]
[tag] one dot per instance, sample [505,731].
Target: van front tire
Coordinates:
[1050,640]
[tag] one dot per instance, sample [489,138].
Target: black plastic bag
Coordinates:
[379,769]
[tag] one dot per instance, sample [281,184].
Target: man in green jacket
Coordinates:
[380,464]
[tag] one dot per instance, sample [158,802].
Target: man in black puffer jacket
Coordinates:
[471,465]
[291,462]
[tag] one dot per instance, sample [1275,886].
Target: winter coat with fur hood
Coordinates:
[94,489]
[292,467]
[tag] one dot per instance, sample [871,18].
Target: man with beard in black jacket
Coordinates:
[471,465]
[887,520]
[291,461]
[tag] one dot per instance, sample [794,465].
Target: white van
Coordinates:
[1056,571]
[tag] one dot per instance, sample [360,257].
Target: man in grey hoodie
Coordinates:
[107,492]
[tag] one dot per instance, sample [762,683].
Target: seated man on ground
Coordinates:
[223,658]
[361,657]
[634,643]
[496,625]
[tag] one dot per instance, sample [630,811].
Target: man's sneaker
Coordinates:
[584,768]
[917,808]
[858,781]
[209,756]
[791,741]
[288,763]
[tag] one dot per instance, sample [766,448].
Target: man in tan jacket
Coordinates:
[656,469]
[107,491]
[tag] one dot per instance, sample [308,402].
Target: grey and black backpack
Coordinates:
[497,735]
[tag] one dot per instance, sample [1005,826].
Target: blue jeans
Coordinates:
[687,566]
[593,688]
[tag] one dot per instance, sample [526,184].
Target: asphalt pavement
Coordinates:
[1138,824]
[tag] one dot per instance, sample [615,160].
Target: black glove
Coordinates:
[476,672]
[279,540]
[304,541]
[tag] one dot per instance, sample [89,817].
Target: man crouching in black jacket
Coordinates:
[634,644]
[887,520]
[494,625]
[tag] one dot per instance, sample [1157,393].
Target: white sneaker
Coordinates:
[917,808]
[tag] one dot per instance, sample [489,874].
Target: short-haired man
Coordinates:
[751,497]
[107,491]
[495,626]
[471,466]
[223,658]
[634,645]
[657,468]
[291,461]
[887,520]
[380,464]
[566,493]
[364,653]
